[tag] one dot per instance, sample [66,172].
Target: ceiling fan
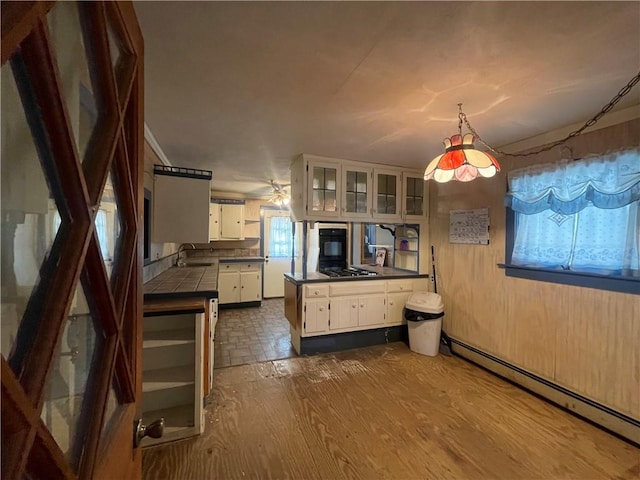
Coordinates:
[279,196]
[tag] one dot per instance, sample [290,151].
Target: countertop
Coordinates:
[383,273]
[197,278]
[181,282]
[174,305]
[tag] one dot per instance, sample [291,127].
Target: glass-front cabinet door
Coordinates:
[386,194]
[356,191]
[323,183]
[414,196]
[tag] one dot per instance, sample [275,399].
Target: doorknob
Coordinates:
[140,430]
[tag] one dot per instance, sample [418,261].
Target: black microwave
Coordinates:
[333,248]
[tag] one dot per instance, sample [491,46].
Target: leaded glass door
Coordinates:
[71,164]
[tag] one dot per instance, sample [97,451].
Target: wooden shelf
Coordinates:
[407,251]
[166,338]
[166,378]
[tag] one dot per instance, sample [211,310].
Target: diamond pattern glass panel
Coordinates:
[66,407]
[114,47]
[118,56]
[109,226]
[30,217]
[110,410]
[67,40]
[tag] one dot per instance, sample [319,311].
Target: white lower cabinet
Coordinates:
[172,389]
[239,283]
[344,313]
[395,307]
[336,307]
[250,286]
[371,310]
[316,316]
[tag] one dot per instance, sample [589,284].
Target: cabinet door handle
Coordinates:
[391,302]
[321,309]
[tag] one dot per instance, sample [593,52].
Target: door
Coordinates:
[343,313]
[316,317]
[356,191]
[214,221]
[386,195]
[278,238]
[231,222]
[323,189]
[228,287]
[372,310]
[250,286]
[71,250]
[414,198]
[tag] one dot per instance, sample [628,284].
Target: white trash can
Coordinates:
[423,312]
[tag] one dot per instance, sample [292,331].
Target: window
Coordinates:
[281,238]
[577,222]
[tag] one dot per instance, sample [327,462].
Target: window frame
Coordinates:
[568,277]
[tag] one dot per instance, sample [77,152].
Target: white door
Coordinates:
[277,251]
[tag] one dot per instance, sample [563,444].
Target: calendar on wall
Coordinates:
[469,226]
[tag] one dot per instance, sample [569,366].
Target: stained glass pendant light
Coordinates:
[461,161]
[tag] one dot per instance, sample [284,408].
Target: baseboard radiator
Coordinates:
[599,414]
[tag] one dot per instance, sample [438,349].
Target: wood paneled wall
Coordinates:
[585,339]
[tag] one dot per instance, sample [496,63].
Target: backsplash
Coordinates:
[224,252]
[154,269]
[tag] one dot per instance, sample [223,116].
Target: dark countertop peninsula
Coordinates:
[195,280]
[383,273]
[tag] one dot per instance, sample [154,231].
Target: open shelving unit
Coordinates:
[172,374]
[406,248]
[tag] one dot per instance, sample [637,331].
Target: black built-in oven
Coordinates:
[333,248]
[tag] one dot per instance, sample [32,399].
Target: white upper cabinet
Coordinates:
[323,194]
[356,190]
[414,197]
[386,195]
[180,205]
[332,189]
[214,221]
[231,222]
[226,221]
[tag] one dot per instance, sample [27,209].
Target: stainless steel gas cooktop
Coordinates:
[347,272]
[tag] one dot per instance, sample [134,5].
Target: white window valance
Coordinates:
[604,181]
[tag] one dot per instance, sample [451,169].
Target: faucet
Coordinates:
[180,250]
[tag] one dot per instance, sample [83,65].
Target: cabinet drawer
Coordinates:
[229,267]
[356,288]
[316,291]
[247,267]
[400,286]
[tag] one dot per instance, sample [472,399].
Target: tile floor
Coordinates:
[252,335]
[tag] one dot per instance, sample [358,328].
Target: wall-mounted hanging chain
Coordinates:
[626,89]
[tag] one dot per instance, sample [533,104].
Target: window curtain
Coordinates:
[280,237]
[566,187]
[101,230]
[580,215]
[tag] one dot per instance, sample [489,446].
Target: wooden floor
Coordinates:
[385,412]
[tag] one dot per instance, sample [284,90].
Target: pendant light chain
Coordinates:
[626,89]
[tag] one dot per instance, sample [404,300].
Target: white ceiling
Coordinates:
[241,88]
